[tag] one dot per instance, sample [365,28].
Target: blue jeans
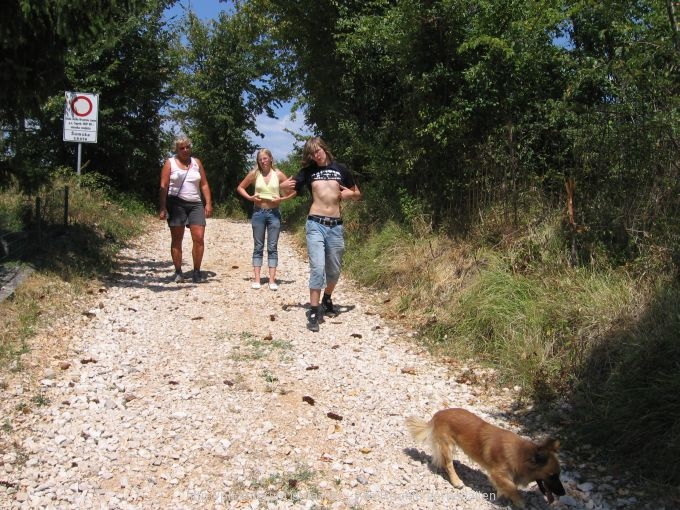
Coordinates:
[269,221]
[325,247]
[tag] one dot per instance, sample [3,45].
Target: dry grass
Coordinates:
[31,319]
[431,274]
[68,263]
[598,339]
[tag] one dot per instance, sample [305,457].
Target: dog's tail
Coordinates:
[423,432]
[420,429]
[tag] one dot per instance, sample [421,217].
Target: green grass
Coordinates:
[67,260]
[601,337]
[629,391]
[19,323]
[14,209]
[40,400]
[536,328]
[289,486]
[369,263]
[251,348]
[269,377]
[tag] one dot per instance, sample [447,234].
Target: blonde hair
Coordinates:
[180,140]
[257,158]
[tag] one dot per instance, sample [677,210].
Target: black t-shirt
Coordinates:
[333,172]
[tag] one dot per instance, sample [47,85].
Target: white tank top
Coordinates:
[185,184]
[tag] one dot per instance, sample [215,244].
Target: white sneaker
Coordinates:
[273,286]
[255,285]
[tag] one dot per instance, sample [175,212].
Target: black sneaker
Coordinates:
[178,278]
[196,276]
[313,320]
[327,304]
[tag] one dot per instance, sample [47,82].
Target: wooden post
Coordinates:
[65,206]
[675,23]
[37,219]
[672,6]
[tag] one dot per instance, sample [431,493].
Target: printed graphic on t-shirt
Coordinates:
[326,174]
[333,172]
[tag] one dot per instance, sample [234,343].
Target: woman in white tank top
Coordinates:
[185,201]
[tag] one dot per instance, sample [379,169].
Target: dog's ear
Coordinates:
[544,450]
[550,444]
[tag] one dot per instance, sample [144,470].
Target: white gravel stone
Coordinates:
[191,396]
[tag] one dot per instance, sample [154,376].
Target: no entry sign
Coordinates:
[81,117]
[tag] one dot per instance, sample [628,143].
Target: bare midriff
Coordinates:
[326,199]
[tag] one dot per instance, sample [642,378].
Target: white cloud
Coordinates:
[276,139]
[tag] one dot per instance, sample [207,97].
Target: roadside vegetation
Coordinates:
[596,342]
[68,261]
[519,164]
[599,339]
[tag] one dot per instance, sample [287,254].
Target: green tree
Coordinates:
[36,37]
[229,77]
[414,91]
[622,104]
[117,50]
[131,72]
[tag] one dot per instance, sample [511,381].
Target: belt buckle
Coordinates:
[325,221]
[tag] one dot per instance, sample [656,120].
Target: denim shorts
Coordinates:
[325,247]
[182,213]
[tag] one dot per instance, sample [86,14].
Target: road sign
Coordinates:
[81,117]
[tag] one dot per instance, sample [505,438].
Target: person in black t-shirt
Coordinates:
[329,183]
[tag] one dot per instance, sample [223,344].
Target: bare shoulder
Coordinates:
[249,177]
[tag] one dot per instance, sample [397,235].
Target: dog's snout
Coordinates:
[555,485]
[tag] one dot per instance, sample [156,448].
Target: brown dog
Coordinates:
[509,460]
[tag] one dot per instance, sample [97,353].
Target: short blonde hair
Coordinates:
[182,140]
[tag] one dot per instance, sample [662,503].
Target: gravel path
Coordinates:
[214,395]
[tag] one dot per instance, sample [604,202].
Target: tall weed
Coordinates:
[537,328]
[67,260]
[508,295]
[14,211]
[628,393]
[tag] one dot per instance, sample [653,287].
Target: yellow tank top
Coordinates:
[265,190]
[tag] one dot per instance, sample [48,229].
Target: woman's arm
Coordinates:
[352,193]
[290,193]
[205,189]
[247,181]
[163,190]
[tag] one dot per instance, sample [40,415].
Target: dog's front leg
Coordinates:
[506,487]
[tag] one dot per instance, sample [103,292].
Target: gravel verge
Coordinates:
[215,395]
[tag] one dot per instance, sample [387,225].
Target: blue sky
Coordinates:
[275,138]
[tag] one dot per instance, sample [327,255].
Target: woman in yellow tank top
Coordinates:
[266,217]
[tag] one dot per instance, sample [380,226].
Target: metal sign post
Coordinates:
[80,158]
[81,120]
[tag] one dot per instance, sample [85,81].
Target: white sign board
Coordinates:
[81,117]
